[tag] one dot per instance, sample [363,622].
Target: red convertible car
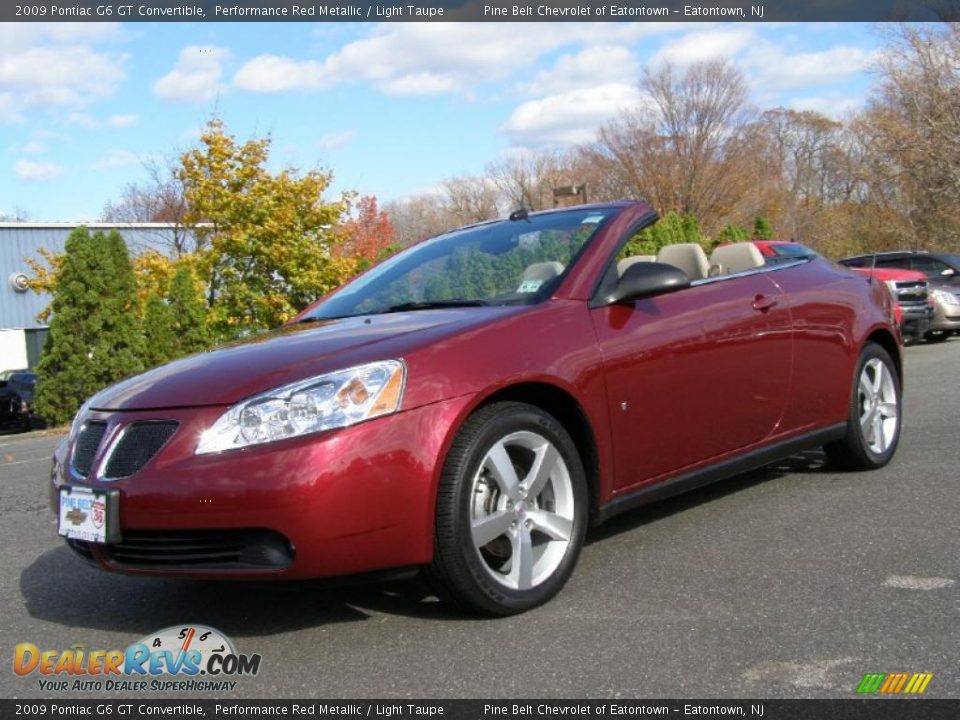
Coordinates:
[471,405]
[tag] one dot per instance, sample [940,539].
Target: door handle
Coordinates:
[762,303]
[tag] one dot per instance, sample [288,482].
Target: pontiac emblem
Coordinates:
[76,516]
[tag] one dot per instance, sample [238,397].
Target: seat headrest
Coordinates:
[738,257]
[537,274]
[689,257]
[543,271]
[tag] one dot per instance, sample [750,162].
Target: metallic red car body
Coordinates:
[662,394]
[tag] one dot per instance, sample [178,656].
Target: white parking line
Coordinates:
[912,582]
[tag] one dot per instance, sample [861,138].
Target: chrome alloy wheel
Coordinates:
[522,510]
[879,412]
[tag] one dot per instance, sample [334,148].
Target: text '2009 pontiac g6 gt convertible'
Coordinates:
[471,405]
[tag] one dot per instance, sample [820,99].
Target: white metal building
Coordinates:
[21,335]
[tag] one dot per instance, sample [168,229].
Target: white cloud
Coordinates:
[33,147]
[768,65]
[613,63]
[36,171]
[119,121]
[332,141]
[834,105]
[54,67]
[273,74]
[704,45]
[569,117]
[197,76]
[114,159]
[434,58]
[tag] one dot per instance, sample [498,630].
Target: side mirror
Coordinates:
[3,383]
[645,279]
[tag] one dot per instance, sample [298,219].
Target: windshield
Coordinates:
[792,250]
[501,263]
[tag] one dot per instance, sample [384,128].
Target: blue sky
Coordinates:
[391,109]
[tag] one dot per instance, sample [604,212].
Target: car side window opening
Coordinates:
[931,267]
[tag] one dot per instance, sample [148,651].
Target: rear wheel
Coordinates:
[873,429]
[511,511]
[935,336]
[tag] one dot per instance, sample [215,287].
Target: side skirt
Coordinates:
[722,470]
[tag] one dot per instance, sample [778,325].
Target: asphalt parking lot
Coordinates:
[791,581]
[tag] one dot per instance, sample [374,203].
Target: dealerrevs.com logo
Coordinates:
[178,658]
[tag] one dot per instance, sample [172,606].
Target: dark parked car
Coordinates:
[17,388]
[942,271]
[470,405]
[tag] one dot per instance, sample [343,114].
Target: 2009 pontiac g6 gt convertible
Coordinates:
[471,405]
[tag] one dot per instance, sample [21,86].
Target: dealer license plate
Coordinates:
[86,514]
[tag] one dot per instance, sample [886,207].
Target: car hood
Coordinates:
[291,353]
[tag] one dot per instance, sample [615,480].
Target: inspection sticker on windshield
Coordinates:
[529,286]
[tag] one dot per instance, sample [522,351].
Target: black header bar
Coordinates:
[480,10]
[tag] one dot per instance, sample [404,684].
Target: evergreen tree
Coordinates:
[161,341]
[70,369]
[121,344]
[762,229]
[691,229]
[191,334]
[732,234]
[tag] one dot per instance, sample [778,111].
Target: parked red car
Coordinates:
[472,404]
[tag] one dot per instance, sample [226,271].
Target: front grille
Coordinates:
[904,284]
[86,447]
[138,443]
[253,549]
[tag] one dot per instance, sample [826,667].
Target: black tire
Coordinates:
[936,336]
[855,451]
[461,573]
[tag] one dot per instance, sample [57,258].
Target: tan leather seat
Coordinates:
[738,257]
[689,257]
[631,260]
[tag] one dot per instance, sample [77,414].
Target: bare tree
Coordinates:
[527,180]
[160,199]
[911,131]
[686,148]
[471,199]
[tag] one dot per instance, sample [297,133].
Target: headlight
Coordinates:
[947,298]
[320,403]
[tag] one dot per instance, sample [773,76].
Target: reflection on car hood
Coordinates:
[291,353]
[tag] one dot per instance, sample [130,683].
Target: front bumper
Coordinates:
[348,501]
[916,320]
[946,318]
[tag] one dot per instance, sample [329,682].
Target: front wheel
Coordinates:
[873,429]
[511,511]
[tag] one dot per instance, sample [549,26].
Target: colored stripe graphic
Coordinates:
[894,683]
[871,682]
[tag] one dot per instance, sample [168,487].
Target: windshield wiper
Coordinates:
[432,305]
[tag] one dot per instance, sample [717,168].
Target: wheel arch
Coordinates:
[570,414]
[885,339]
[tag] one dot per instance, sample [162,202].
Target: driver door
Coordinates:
[694,374]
